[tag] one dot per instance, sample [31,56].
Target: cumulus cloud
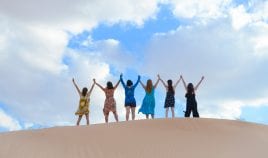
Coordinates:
[36,70]
[36,67]
[110,51]
[79,15]
[7,122]
[231,59]
[201,11]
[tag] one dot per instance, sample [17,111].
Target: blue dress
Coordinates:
[148,103]
[129,93]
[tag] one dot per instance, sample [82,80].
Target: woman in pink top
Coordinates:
[109,104]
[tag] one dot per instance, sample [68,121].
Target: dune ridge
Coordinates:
[159,138]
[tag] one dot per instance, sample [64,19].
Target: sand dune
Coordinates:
[160,138]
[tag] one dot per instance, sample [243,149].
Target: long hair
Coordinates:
[84,91]
[170,87]
[129,83]
[149,86]
[110,85]
[190,88]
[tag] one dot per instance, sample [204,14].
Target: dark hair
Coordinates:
[84,91]
[170,87]
[129,83]
[190,88]
[110,85]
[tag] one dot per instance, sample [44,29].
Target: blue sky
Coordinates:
[132,38]
[223,40]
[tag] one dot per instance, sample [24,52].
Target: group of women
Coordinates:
[148,103]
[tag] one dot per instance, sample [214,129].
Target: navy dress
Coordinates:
[170,99]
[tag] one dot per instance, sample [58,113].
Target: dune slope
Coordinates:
[159,138]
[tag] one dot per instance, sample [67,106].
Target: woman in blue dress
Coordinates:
[130,102]
[148,103]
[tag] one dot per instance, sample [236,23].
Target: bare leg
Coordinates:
[127,112]
[133,113]
[79,119]
[115,116]
[106,118]
[87,117]
[167,112]
[106,115]
[173,113]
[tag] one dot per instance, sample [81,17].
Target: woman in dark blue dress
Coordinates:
[130,102]
[170,96]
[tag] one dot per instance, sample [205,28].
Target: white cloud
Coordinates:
[226,57]
[240,17]
[36,82]
[8,122]
[253,13]
[200,9]
[80,15]
[38,47]
[110,51]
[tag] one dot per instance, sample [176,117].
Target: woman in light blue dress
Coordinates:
[148,103]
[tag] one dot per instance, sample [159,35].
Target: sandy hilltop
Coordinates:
[159,138]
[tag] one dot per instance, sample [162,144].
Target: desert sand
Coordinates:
[159,138]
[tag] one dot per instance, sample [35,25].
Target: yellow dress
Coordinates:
[83,107]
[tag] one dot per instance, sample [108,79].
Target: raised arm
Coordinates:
[121,80]
[117,84]
[202,78]
[176,84]
[158,79]
[92,86]
[99,85]
[185,86]
[163,82]
[144,87]
[78,90]
[139,78]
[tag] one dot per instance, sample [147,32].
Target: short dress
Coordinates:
[148,103]
[83,107]
[170,99]
[109,104]
[129,93]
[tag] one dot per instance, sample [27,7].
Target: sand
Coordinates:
[159,138]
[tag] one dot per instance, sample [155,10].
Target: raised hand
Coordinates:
[202,78]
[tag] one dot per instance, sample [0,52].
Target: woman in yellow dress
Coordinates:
[83,108]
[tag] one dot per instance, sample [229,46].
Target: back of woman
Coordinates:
[109,93]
